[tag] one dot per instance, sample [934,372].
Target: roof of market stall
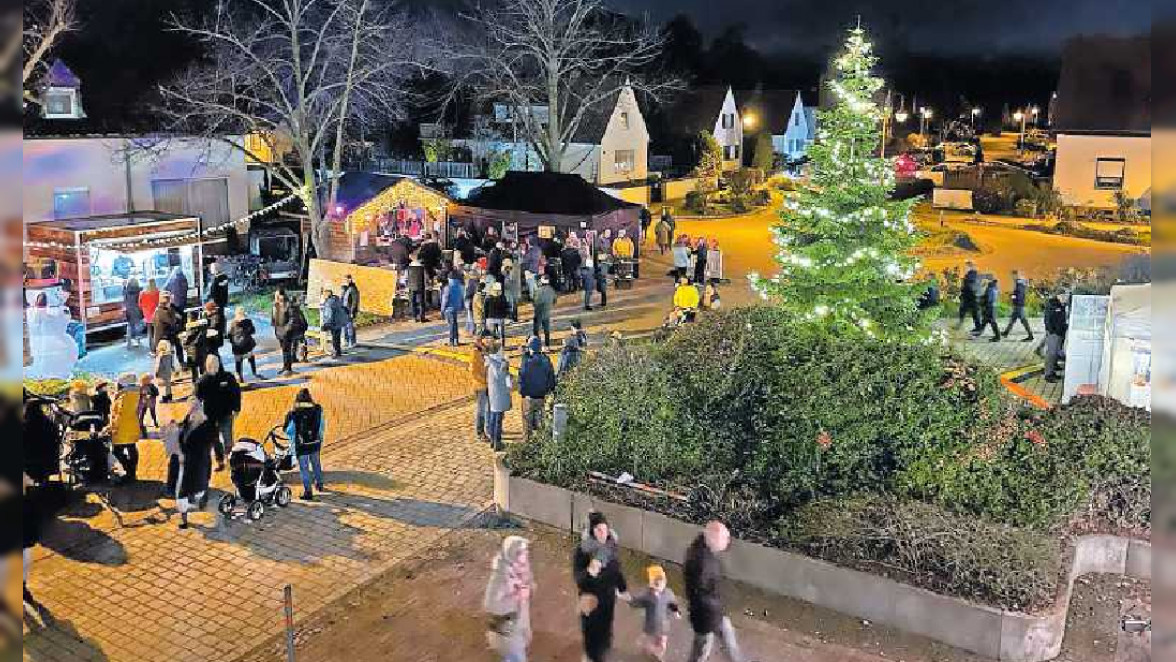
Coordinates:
[365,196]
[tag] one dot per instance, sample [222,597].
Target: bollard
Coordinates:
[288,599]
[559,421]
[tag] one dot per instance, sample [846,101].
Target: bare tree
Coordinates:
[45,22]
[572,56]
[295,76]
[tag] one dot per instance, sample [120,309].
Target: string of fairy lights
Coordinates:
[168,239]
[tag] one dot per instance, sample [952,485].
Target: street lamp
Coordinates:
[924,117]
[975,114]
[1021,116]
[1036,111]
[901,116]
[748,121]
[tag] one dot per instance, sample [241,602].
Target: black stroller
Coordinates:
[86,457]
[257,476]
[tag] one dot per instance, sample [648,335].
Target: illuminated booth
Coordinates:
[371,210]
[94,257]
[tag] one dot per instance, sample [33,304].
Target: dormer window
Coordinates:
[61,93]
[59,104]
[624,120]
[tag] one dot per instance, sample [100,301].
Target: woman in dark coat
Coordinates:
[700,256]
[596,567]
[197,436]
[134,313]
[241,333]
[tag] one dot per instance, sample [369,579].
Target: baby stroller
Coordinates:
[256,476]
[87,449]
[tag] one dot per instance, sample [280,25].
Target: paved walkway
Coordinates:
[1010,354]
[131,586]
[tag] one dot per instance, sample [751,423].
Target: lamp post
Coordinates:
[1020,116]
[924,117]
[975,114]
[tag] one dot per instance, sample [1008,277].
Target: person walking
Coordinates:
[452,302]
[662,235]
[195,344]
[165,367]
[499,385]
[197,439]
[596,568]
[532,265]
[148,303]
[177,286]
[991,296]
[702,572]
[544,303]
[217,289]
[969,289]
[167,324]
[573,350]
[1056,325]
[1019,298]
[431,255]
[497,309]
[243,343]
[333,318]
[570,261]
[148,398]
[478,379]
[681,257]
[602,282]
[588,277]
[350,296]
[124,426]
[133,314]
[220,394]
[306,428]
[658,602]
[512,288]
[536,382]
[507,601]
[214,329]
[281,320]
[416,282]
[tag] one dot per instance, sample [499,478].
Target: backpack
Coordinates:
[298,324]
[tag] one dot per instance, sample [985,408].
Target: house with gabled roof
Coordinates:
[737,117]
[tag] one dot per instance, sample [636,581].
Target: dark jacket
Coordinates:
[465,247]
[702,572]
[131,304]
[305,425]
[196,440]
[333,315]
[398,253]
[494,262]
[241,336]
[1020,288]
[177,285]
[167,323]
[220,394]
[968,287]
[216,322]
[497,307]
[431,256]
[218,291]
[416,277]
[991,295]
[536,376]
[570,258]
[195,342]
[597,625]
[545,299]
[351,299]
[1056,321]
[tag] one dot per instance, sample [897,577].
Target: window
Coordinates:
[624,120]
[59,104]
[796,120]
[730,152]
[71,202]
[623,160]
[728,120]
[1108,173]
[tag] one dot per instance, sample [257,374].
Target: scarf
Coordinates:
[604,552]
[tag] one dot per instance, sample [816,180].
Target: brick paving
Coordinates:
[134,587]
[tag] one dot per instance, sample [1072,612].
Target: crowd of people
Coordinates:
[600,584]
[980,296]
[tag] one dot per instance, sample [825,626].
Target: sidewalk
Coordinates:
[1010,354]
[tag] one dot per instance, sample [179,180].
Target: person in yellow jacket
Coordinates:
[622,247]
[124,426]
[686,296]
[481,390]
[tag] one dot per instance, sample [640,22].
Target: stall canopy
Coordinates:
[1126,360]
[375,207]
[546,199]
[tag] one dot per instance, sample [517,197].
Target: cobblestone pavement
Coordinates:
[402,468]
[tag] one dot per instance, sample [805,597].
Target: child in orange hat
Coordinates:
[659,602]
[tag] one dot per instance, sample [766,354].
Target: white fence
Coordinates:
[446,169]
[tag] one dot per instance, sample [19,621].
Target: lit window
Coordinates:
[624,120]
[58,104]
[71,202]
[1108,173]
[623,160]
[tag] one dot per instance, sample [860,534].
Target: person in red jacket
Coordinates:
[148,302]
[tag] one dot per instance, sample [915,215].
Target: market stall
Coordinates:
[374,210]
[93,258]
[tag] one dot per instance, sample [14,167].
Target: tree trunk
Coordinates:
[553,160]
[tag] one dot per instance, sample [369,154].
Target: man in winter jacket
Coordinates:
[431,255]
[544,301]
[306,428]
[536,382]
[991,296]
[1020,293]
[588,277]
[334,318]
[702,572]
[968,291]
[416,288]
[220,394]
[478,379]
[351,303]
[1056,325]
[452,303]
[177,285]
[218,286]
[167,325]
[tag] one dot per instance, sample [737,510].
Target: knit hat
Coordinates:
[656,572]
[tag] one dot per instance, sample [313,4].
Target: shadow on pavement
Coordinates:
[78,541]
[45,627]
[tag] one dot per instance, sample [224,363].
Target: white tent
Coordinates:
[1125,373]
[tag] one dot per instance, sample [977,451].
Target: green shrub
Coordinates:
[918,543]
[696,202]
[622,416]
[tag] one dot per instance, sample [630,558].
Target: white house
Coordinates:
[728,132]
[610,146]
[799,133]
[1103,121]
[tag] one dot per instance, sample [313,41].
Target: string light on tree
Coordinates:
[844,245]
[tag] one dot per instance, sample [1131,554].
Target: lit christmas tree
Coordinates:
[843,245]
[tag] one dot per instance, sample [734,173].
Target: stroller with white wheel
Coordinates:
[257,476]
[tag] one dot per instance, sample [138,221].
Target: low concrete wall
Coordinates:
[1003,635]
